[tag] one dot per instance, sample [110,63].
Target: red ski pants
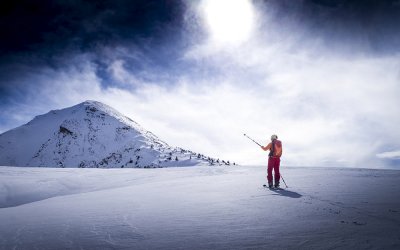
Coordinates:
[274,163]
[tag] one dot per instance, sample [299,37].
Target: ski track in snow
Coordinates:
[198,208]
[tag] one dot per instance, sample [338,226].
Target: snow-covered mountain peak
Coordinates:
[95,106]
[91,134]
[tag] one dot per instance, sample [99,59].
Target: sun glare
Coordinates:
[229,21]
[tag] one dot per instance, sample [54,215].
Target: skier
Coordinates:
[275,147]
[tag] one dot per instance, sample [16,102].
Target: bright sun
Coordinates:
[229,21]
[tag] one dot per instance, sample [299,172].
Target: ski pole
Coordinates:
[253,140]
[284,181]
[261,146]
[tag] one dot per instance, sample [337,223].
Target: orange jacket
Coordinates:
[277,150]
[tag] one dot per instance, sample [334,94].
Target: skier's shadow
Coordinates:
[287,193]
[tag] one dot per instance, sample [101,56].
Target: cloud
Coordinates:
[325,101]
[395,155]
[122,76]
[328,106]
[329,112]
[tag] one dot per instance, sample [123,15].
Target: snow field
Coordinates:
[198,208]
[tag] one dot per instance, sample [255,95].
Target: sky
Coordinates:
[324,75]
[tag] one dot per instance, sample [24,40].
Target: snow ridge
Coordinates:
[91,134]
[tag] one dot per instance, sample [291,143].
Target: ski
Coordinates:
[273,188]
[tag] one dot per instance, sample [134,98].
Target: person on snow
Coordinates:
[275,147]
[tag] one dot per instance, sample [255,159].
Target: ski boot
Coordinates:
[277,184]
[270,184]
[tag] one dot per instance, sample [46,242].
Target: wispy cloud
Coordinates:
[318,121]
[390,155]
[329,107]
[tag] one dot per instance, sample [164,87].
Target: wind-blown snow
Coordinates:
[198,208]
[91,134]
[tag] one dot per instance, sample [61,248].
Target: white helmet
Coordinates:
[274,137]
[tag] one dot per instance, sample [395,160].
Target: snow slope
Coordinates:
[90,134]
[198,208]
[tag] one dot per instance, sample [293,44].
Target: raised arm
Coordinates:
[268,147]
